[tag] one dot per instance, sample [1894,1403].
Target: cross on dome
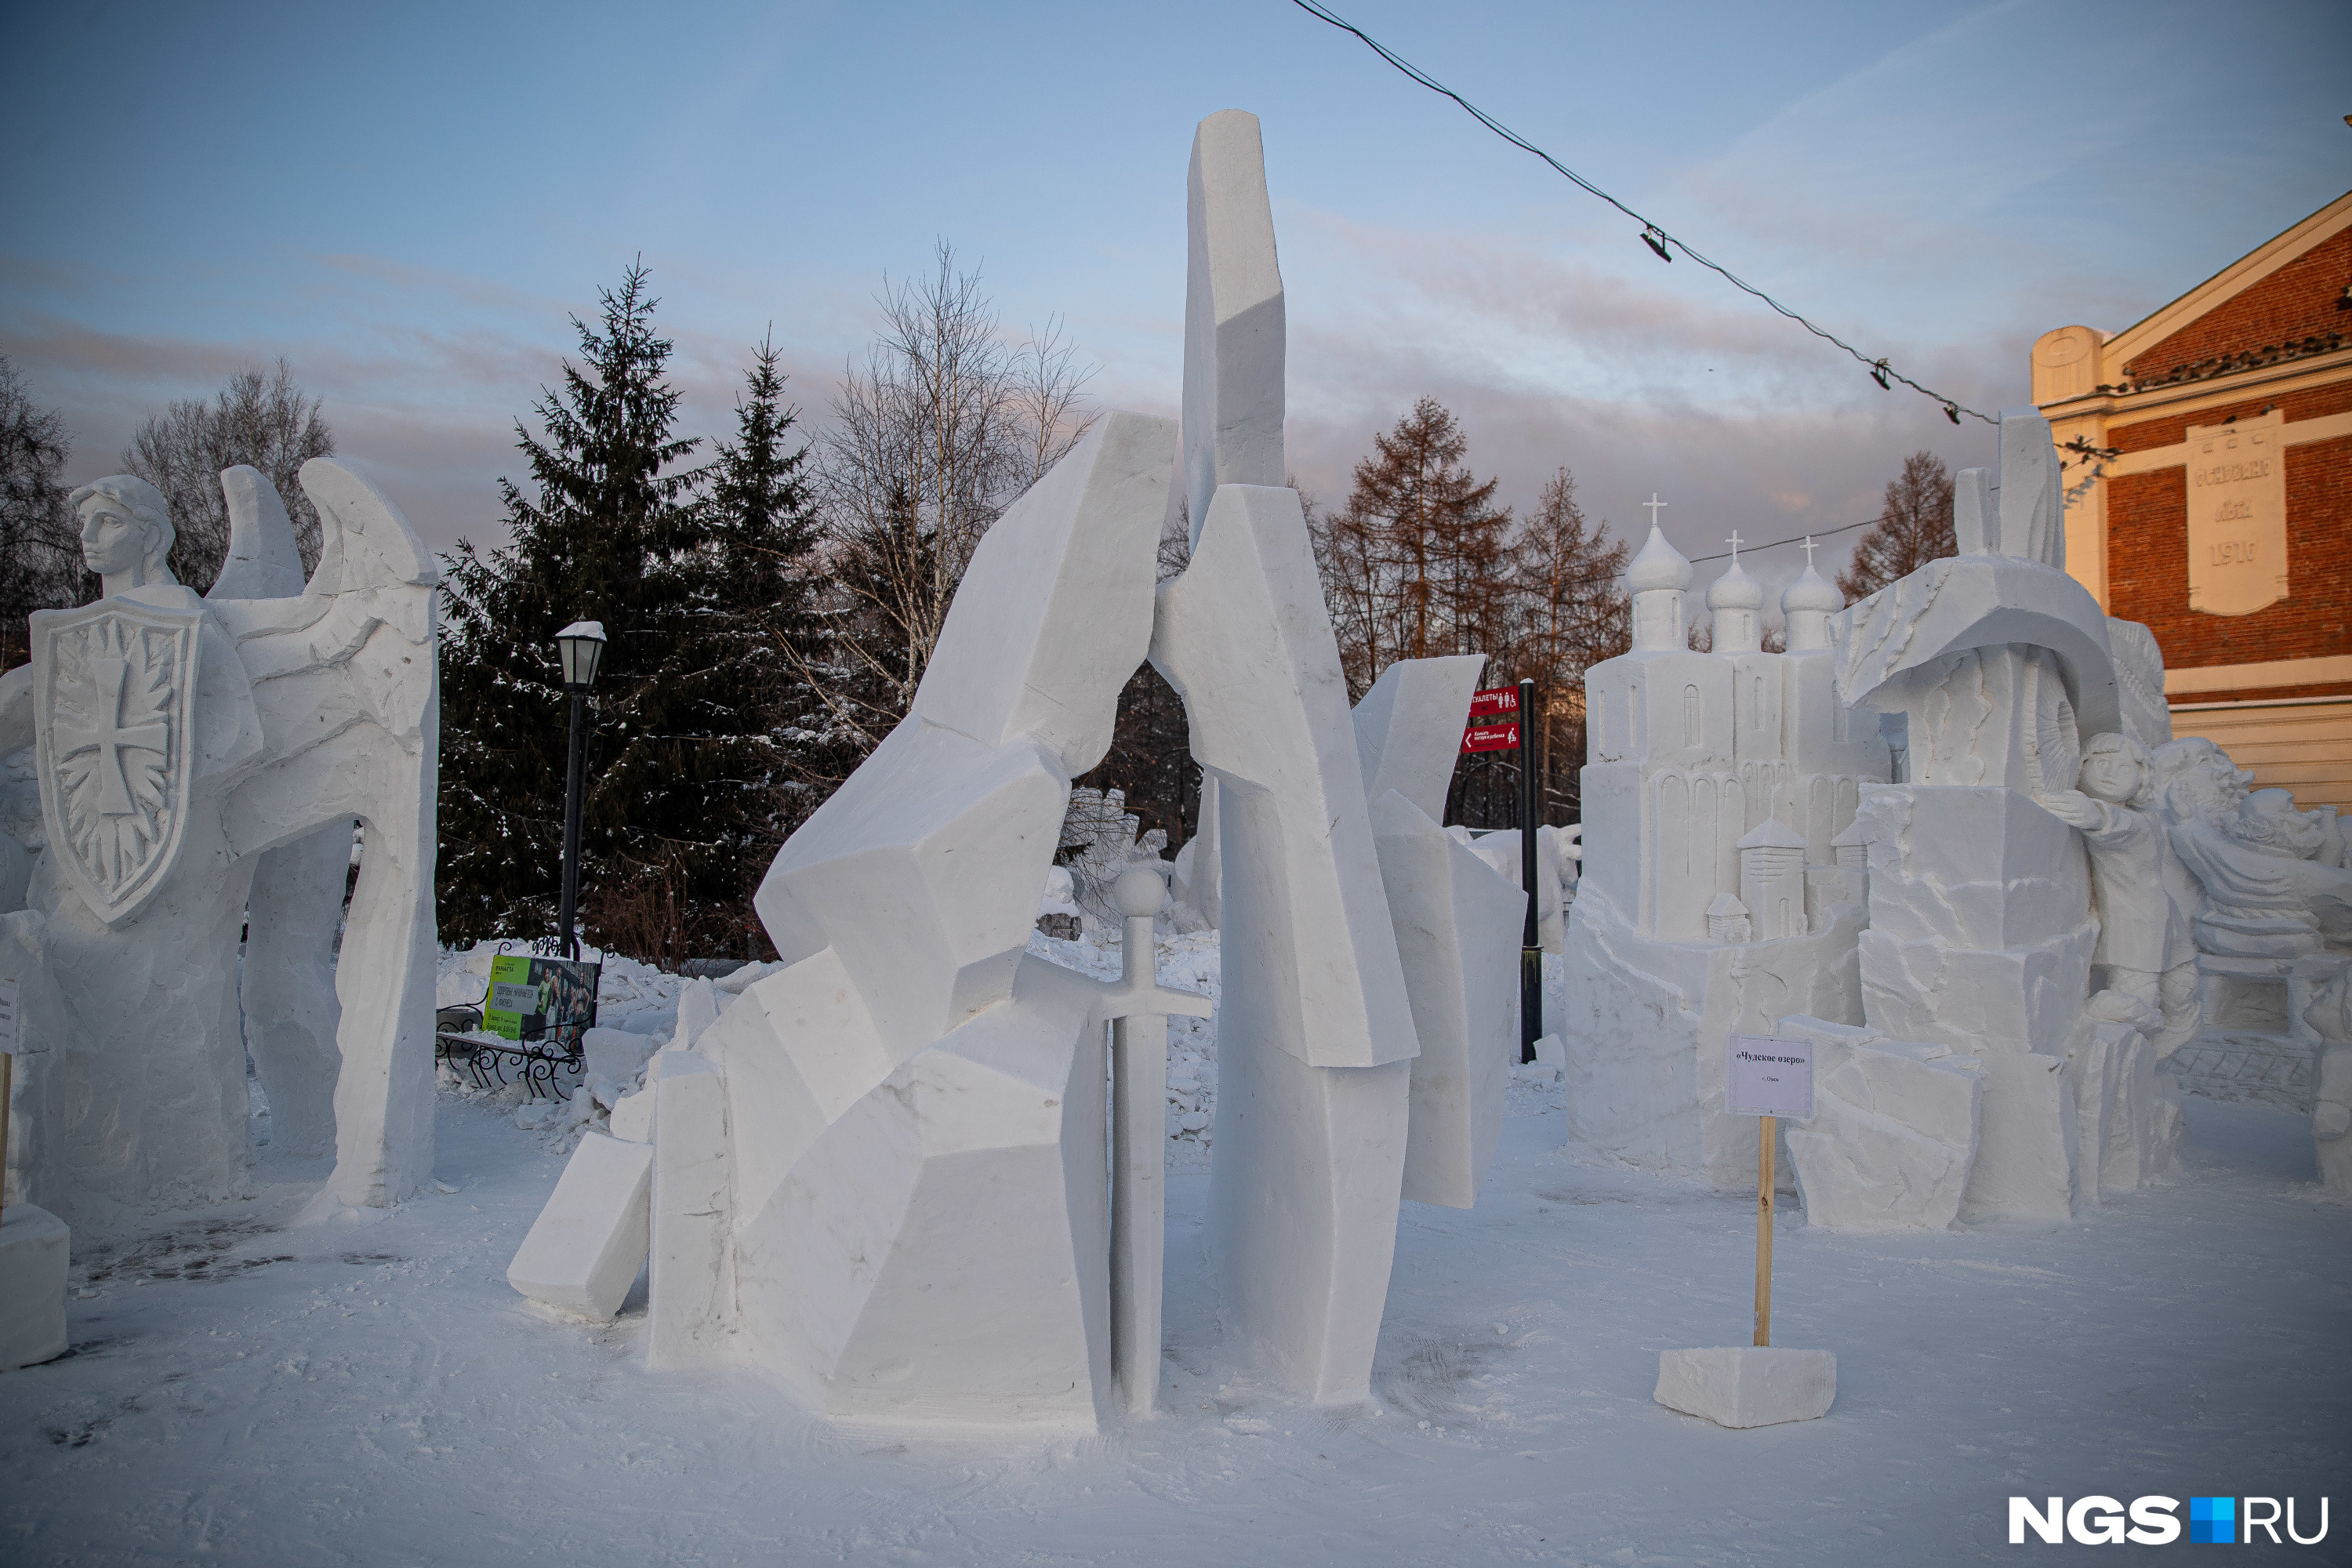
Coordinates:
[1653,503]
[1810,548]
[1734,542]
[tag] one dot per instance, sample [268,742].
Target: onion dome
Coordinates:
[1812,591]
[1735,590]
[1659,565]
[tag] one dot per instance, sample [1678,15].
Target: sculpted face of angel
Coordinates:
[126,532]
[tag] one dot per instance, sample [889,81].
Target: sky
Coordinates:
[411,203]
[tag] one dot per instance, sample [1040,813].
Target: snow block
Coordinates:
[584,1250]
[1747,1385]
[1894,1131]
[2026,1166]
[692,1272]
[633,1116]
[617,1055]
[34,1244]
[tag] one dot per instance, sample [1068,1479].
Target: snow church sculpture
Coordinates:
[1712,898]
[180,744]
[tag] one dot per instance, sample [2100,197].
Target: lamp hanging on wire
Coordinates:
[1657,242]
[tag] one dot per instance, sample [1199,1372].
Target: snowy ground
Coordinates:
[241,1392]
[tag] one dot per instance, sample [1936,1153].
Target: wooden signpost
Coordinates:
[1767,1078]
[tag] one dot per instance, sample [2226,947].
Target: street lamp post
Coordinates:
[581,648]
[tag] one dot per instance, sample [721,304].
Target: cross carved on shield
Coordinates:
[114,687]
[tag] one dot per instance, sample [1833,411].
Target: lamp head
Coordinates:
[581,648]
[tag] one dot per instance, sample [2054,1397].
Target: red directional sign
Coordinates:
[1496,706]
[1494,720]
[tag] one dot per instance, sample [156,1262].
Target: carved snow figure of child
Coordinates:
[2147,957]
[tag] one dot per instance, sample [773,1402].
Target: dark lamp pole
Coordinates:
[580,648]
[1530,936]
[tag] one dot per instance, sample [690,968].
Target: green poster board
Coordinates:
[531,997]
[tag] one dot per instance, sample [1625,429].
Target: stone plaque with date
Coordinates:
[2237,516]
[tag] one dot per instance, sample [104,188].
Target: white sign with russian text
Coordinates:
[1769,1076]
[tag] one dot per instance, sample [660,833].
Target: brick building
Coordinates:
[2223,517]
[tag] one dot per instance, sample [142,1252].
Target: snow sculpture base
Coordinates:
[585,1250]
[1894,1131]
[1981,940]
[1747,1385]
[34,1247]
[926,1240]
[1647,1021]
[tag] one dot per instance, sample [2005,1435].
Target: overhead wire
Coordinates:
[1653,235]
[1792,539]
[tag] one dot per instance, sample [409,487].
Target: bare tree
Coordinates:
[41,554]
[259,418]
[1914,527]
[938,429]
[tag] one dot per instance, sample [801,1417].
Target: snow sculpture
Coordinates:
[1499,848]
[1982,934]
[2147,962]
[880,1172]
[286,986]
[2273,926]
[1894,1133]
[1714,781]
[1315,1035]
[178,742]
[2330,1013]
[34,1246]
[1457,923]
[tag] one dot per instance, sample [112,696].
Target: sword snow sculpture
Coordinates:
[880,1172]
[180,745]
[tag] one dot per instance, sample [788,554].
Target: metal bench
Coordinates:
[549,1050]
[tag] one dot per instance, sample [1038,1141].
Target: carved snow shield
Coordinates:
[114,697]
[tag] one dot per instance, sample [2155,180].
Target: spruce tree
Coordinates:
[766,632]
[602,539]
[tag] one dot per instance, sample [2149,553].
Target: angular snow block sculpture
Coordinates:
[1747,1385]
[585,1250]
[879,1170]
[1235,330]
[1314,1034]
[1457,924]
[1409,729]
[1894,1131]
[34,1246]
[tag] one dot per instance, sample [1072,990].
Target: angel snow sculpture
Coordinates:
[177,742]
